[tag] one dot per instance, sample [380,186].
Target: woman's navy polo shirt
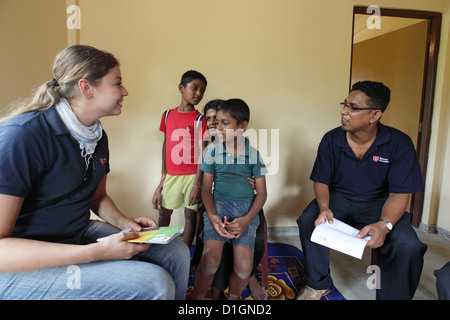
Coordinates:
[41,161]
[389,166]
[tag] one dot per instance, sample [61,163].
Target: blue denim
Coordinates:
[232,210]
[160,273]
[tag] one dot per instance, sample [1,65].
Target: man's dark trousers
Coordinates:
[400,258]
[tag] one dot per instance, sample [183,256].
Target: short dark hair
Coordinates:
[191,75]
[379,95]
[237,108]
[213,104]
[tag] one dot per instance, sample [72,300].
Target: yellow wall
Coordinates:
[437,194]
[397,59]
[31,34]
[288,59]
[260,51]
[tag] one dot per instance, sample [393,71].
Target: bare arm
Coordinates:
[322,194]
[156,200]
[20,255]
[105,208]
[208,202]
[239,225]
[393,209]
[196,193]
[17,255]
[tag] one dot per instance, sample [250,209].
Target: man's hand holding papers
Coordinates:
[341,237]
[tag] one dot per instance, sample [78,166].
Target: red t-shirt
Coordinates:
[184,136]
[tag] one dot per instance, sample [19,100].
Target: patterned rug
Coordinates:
[286,274]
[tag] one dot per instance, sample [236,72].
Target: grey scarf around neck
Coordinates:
[87,137]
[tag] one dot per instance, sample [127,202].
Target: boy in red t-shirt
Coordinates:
[181,177]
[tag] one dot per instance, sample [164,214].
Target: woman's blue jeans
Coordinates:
[159,273]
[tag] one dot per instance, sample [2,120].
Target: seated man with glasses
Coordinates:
[363,175]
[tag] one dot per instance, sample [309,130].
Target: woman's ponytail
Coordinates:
[71,65]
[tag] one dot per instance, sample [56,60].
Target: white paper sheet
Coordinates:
[341,237]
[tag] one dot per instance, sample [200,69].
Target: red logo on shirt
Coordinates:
[380,159]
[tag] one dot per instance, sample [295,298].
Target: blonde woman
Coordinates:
[54,162]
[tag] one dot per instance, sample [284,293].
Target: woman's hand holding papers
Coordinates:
[116,247]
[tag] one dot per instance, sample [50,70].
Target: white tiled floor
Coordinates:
[350,274]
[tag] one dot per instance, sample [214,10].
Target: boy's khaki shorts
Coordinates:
[176,191]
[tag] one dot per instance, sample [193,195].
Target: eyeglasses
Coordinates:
[354,107]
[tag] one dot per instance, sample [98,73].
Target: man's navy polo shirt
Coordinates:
[231,172]
[41,161]
[389,166]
